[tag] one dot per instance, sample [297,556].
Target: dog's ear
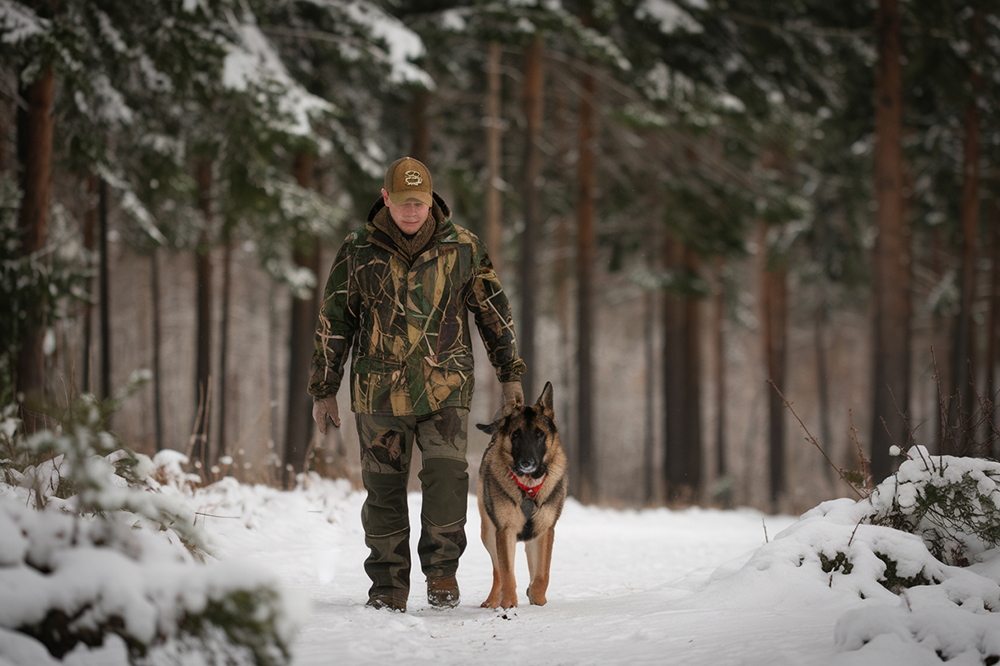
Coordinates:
[488,428]
[545,399]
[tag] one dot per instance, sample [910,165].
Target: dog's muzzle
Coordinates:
[525,467]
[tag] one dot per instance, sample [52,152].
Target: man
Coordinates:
[398,299]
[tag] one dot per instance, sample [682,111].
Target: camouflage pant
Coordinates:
[386,448]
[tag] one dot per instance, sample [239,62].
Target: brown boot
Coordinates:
[442,592]
[387,600]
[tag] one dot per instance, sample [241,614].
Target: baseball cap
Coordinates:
[408,179]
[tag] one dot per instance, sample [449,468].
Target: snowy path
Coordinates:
[619,584]
[626,587]
[694,587]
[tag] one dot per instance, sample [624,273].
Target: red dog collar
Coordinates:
[529,491]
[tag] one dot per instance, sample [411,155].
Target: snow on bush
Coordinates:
[921,550]
[949,593]
[98,541]
[953,504]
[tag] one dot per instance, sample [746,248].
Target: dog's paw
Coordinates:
[536,599]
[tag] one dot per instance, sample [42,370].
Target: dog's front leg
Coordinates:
[506,545]
[489,536]
[539,551]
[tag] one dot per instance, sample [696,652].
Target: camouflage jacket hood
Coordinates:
[405,322]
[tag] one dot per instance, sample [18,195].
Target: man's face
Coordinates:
[410,216]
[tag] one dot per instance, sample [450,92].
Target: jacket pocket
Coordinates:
[448,382]
[379,386]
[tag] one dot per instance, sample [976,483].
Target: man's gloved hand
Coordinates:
[513,396]
[324,407]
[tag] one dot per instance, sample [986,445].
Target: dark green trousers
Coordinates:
[386,450]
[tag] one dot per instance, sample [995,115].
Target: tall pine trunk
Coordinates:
[650,407]
[154,274]
[692,380]
[203,297]
[494,144]
[104,287]
[562,277]
[682,379]
[585,259]
[420,147]
[891,259]
[494,159]
[965,408]
[299,425]
[821,336]
[89,241]
[223,390]
[774,290]
[993,324]
[534,82]
[674,467]
[35,152]
[721,463]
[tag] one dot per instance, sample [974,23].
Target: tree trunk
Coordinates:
[562,277]
[682,380]
[721,466]
[6,113]
[993,326]
[649,352]
[820,337]
[774,291]
[534,83]
[674,467]
[89,241]
[585,259]
[420,147]
[203,362]
[105,288]
[154,272]
[494,199]
[494,136]
[35,151]
[942,338]
[221,447]
[963,359]
[299,424]
[692,382]
[891,261]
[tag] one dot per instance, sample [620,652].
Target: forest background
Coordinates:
[714,220]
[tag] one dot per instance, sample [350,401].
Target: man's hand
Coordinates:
[513,396]
[324,407]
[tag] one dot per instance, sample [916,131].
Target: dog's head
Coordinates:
[526,435]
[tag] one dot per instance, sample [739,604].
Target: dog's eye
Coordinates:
[539,435]
[515,436]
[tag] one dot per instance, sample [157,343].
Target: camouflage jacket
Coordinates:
[406,324]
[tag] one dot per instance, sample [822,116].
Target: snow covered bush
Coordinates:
[952,503]
[951,606]
[930,535]
[96,541]
[912,570]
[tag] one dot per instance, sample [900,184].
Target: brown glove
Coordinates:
[513,396]
[323,408]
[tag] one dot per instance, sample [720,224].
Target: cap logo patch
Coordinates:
[413,178]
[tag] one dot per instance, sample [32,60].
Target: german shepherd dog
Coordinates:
[522,488]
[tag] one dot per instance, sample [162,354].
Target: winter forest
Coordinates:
[753,245]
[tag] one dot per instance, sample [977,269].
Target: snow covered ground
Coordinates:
[627,587]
